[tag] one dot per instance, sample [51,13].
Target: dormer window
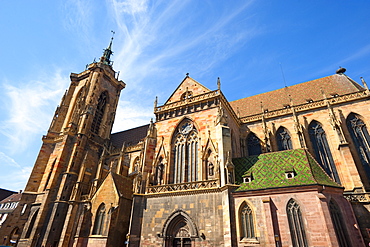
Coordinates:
[309,100]
[334,95]
[247,178]
[286,106]
[290,174]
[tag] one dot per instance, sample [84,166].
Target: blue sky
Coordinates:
[245,43]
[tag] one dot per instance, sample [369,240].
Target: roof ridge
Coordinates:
[131,129]
[314,164]
[286,87]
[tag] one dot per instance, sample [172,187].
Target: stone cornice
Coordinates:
[53,139]
[290,189]
[306,107]
[182,104]
[165,190]
[134,148]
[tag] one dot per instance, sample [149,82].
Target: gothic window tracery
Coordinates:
[361,139]
[339,225]
[253,144]
[283,139]
[99,220]
[187,95]
[246,221]
[322,150]
[296,225]
[185,146]
[99,113]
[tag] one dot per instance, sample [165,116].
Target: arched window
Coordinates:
[361,139]
[253,144]
[246,222]
[283,139]
[99,113]
[185,148]
[339,224]
[322,150]
[296,225]
[99,220]
[31,225]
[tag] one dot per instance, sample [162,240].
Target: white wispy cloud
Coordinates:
[29,108]
[15,175]
[160,39]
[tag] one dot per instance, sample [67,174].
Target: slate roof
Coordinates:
[130,137]
[12,198]
[268,170]
[123,185]
[338,84]
[5,193]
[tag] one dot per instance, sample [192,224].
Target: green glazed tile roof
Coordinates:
[268,170]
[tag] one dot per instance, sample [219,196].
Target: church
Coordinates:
[289,167]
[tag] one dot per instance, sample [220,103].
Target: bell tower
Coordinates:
[62,177]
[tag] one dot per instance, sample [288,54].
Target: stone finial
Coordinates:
[364,83]
[155,102]
[218,83]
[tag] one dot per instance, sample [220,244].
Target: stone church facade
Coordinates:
[288,167]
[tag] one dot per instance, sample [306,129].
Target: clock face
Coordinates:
[186,128]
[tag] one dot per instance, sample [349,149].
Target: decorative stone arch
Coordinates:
[296,223]
[210,167]
[179,227]
[322,150]
[247,230]
[182,120]
[185,146]
[160,163]
[100,112]
[99,222]
[254,144]
[32,221]
[283,139]
[357,128]
[339,223]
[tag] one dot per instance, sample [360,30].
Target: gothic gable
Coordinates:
[187,89]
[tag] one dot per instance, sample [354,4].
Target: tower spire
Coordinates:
[107,52]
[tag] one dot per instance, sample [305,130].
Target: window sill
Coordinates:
[249,240]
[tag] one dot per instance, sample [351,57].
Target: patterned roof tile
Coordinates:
[269,170]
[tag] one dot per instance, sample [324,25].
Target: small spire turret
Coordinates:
[107,53]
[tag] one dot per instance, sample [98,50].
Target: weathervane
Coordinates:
[113,32]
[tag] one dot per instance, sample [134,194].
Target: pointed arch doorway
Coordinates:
[179,230]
